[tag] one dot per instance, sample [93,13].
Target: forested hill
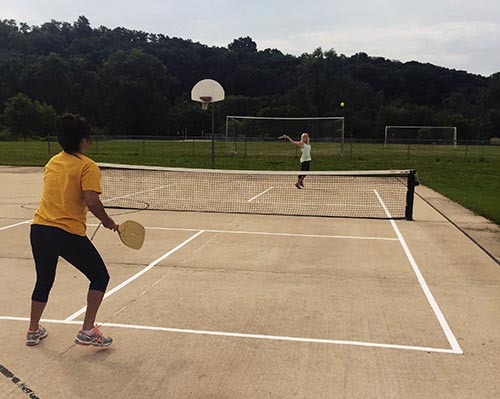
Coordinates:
[133,82]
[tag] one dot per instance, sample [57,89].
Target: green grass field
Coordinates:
[468,175]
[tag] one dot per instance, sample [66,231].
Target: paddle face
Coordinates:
[132,234]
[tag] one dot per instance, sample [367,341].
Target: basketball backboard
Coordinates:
[207,91]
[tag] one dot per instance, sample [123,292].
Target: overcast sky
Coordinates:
[457,34]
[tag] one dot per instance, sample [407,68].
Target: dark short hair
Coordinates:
[71,129]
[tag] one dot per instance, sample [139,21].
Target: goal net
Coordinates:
[256,128]
[420,135]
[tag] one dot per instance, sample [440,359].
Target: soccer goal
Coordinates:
[259,128]
[420,135]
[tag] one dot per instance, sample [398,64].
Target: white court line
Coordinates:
[428,294]
[14,225]
[258,195]
[139,192]
[137,275]
[268,233]
[251,336]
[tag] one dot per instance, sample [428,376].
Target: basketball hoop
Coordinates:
[205,100]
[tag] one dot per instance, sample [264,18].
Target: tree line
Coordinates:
[133,82]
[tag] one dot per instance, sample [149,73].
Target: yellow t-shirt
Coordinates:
[65,178]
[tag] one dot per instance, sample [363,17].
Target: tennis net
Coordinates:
[356,194]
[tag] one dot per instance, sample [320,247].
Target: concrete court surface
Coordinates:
[248,306]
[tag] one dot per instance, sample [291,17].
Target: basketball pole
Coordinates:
[213,135]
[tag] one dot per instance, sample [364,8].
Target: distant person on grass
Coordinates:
[71,184]
[305,158]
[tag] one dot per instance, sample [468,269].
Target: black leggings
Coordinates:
[304,167]
[48,243]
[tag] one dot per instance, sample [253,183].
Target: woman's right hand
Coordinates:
[110,224]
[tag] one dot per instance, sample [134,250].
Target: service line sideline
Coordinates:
[139,192]
[455,347]
[266,233]
[15,225]
[250,336]
[238,232]
[258,195]
[137,275]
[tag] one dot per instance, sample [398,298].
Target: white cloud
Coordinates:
[457,45]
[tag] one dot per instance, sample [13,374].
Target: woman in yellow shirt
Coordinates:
[72,184]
